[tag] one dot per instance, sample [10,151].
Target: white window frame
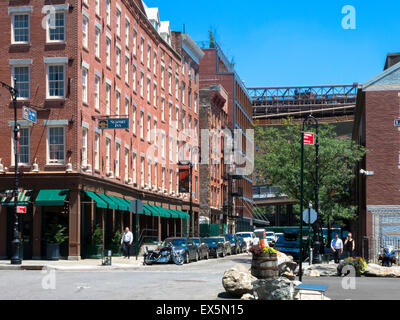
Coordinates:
[85,31]
[117,159]
[48,27]
[108,52]
[19,154]
[85,133]
[29,78]
[108,99]
[12,27]
[54,162]
[85,85]
[97,41]
[47,80]
[97,92]
[108,12]
[118,22]
[97,151]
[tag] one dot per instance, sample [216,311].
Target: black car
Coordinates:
[235,243]
[202,248]
[215,246]
[190,248]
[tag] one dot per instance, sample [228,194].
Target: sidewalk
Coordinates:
[118,263]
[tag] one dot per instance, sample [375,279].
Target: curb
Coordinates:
[67,268]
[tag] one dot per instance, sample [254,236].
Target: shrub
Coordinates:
[56,234]
[97,236]
[358,263]
[257,250]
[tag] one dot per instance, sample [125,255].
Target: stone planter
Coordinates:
[116,250]
[53,251]
[95,251]
[265,266]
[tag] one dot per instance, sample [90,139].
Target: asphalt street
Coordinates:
[194,281]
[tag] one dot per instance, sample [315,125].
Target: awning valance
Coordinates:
[22,200]
[100,203]
[122,205]
[111,204]
[48,198]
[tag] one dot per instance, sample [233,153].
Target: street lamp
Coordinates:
[15,259]
[190,164]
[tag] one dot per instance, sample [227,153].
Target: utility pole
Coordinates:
[16,244]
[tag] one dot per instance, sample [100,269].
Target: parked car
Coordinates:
[215,246]
[271,238]
[227,245]
[249,238]
[235,244]
[190,248]
[290,244]
[242,244]
[202,248]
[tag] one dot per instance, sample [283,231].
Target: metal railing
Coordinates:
[378,244]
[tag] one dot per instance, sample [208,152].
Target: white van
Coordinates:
[249,238]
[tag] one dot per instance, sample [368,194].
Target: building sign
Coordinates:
[120,123]
[184,178]
[29,114]
[309,138]
[21,209]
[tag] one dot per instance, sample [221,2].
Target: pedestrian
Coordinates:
[126,242]
[349,246]
[337,248]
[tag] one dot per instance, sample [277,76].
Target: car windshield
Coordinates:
[196,241]
[244,235]
[270,234]
[230,237]
[210,241]
[178,242]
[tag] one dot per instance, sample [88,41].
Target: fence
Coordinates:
[379,243]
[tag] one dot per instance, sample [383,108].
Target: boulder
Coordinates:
[237,283]
[289,275]
[273,289]
[248,296]
[321,270]
[375,270]
[287,266]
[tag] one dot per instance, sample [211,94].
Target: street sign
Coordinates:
[313,216]
[309,138]
[397,123]
[120,123]
[21,209]
[137,206]
[29,114]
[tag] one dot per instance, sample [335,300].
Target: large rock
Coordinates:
[237,283]
[273,289]
[374,270]
[321,270]
[248,296]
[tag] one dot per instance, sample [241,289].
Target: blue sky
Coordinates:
[290,42]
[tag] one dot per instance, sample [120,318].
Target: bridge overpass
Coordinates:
[330,104]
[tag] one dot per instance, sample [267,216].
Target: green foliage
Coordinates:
[211,38]
[277,163]
[270,250]
[56,233]
[116,240]
[96,237]
[358,263]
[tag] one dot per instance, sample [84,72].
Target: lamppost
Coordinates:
[190,164]
[15,259]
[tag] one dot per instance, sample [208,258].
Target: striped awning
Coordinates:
[22,200]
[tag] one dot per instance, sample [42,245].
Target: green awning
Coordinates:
[122,205]
[100,203]
[47,198]
[111,204]
[174,214]
[183,215]
[22,200]
[148,211]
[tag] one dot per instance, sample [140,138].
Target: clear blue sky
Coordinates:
[290,42]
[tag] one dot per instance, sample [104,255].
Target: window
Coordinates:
[20,28]
[126,164]
[141,125]
[134,168]
[96,151]
[22,76]
[170,180]
[195,102]
[97,5]
[118,61]
[155,95]
[163,145]
[141,50]
[176,87]
[134,78]
[148,90]
[149,173]
[134,120]
[56,145]
[155,175]
[84,147]
[170,114]
[127,27]
[134,41]
[56,27]
[141,84]
[108,159]
[108,12]
[127,70]
[24,147]
[177,118]
[117,155]
[55,81]
[169,83]
[155,131]
[155,62]
[108,99]
[148,128]
[190,98]
[84,85]
[118,23]
[85,23]
[183,65]
[97,92]
[126,107]
[170,149]
[183,120]
[177,183]
[183,93]
[162,109]
[149,57]
[162,77]
[142,172]
[97,42]
[117,103]
[108,52]
[163,178]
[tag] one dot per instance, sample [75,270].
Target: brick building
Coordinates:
[376,193]
[216,69]
[213,173]
[83,61]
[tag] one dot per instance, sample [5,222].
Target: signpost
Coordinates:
[309,138]
[112,123]
[136,208]
[29,114]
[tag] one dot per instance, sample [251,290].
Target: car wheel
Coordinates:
[223,254]
[197,257]
[187,258]
[207,255]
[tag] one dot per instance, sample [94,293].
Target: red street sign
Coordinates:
[309,138]
[21,209]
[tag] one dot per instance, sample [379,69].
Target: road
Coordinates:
[194,281]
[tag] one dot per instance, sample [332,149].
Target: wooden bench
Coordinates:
[311,290]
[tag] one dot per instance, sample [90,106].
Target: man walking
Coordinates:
[349,245]
[337,248]
[126,243]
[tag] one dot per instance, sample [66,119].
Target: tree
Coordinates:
[277,163]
